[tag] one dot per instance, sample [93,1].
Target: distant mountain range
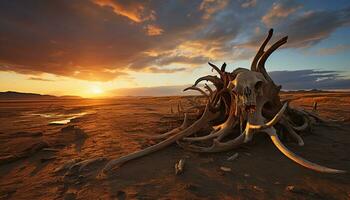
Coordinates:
[153,91]
[19,95]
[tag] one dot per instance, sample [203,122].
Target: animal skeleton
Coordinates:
[245,100]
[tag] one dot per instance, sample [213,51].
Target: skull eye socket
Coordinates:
[258,85]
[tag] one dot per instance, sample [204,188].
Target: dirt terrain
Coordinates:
[38,139]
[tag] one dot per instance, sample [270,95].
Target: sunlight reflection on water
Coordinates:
[59,119]
[60,122]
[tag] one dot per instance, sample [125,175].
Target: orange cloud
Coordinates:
[134,11]
[278,12]
[104,40]
[210,7]
[154,30]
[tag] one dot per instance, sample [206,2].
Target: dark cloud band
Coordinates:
[102,40]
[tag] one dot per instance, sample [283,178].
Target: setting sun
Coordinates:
[96,90]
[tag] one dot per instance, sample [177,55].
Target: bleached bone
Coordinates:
[277,142]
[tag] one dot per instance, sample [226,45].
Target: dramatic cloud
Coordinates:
[75,40]
[133,10]
[102,40]
[304,29]
[210,7]
[310,79]
[312,27]
[279,12]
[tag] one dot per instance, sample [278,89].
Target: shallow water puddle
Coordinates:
[67,119]
[59,119]
[60,122]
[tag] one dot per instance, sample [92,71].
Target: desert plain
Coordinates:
[39,137]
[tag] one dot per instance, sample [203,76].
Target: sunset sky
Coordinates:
[100,47]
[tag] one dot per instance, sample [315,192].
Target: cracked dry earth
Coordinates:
[36,142]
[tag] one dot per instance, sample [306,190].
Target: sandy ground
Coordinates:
[35,143]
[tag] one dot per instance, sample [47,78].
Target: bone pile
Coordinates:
[241,103]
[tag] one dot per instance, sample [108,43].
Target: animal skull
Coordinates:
[248,87]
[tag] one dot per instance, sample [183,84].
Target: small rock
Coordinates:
[290,188]
[179,166]
[225,169]
[246,175]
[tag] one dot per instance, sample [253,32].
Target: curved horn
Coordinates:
[214,79]
[223,67]
[209,89]
[277,142]
[261,64]
[261,51]
[217,69]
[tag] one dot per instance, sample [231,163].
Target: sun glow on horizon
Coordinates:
[96,91]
